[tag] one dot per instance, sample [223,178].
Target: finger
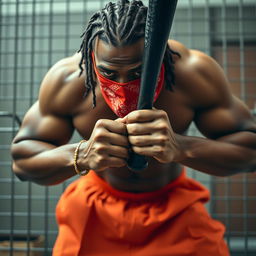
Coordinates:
[117,139]
[120,120]
[139,129]
[145,115]
[148,150]
[117,151]
[105,162]
[112,126]
[157,125]
[110,150]
[148,140]
[101,135]
[140,116]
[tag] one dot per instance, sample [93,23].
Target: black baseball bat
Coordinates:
[158,26]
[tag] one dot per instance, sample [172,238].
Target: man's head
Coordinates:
[117,28]
[120,64]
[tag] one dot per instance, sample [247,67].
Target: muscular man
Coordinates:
[113,210]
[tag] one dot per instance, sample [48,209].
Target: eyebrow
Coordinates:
[112,70]
[137,68]
[106,69]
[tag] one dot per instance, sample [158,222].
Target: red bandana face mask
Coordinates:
[122,98]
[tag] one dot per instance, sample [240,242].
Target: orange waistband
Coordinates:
[136,196]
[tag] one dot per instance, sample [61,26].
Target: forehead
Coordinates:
[125,54]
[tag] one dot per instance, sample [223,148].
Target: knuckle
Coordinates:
[100,123]
[158,149]
[162,113]
[162,126]
[100,135]
[137,150]
[131,128]
[138,115]
[138,141]
[101,160]
[135,140]
[162,139]
[135,115]
[100,148]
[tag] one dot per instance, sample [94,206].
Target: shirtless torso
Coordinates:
[201,95]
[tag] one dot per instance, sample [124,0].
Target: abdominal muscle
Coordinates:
[153,178]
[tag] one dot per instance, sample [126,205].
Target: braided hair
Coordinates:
[118,24]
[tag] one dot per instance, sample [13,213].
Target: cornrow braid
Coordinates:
[113,17]
[119,24]
[121,8]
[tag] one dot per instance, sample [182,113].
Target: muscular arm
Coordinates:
[230,143]
[229,128]
[225,156]
[39,151]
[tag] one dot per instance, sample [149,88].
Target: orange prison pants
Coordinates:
[96,219]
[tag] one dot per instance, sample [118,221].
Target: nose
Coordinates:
[122,79]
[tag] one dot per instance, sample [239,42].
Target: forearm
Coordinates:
[43,163]
[223,157]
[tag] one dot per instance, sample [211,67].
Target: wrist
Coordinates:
[78,170]
[182,148]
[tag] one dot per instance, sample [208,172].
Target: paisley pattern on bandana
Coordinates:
[122,98]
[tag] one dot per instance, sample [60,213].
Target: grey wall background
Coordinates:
[36,34]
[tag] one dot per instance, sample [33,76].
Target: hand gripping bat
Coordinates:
[158,26]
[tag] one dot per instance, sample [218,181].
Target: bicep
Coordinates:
[224,119]
[47,128]
[217,112]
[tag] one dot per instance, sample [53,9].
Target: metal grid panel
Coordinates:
[36,33]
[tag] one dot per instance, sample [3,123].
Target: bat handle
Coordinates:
[137,162]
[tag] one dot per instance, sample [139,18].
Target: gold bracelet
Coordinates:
[84,172]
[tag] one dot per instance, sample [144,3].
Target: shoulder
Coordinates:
[200,77]
[62,88]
